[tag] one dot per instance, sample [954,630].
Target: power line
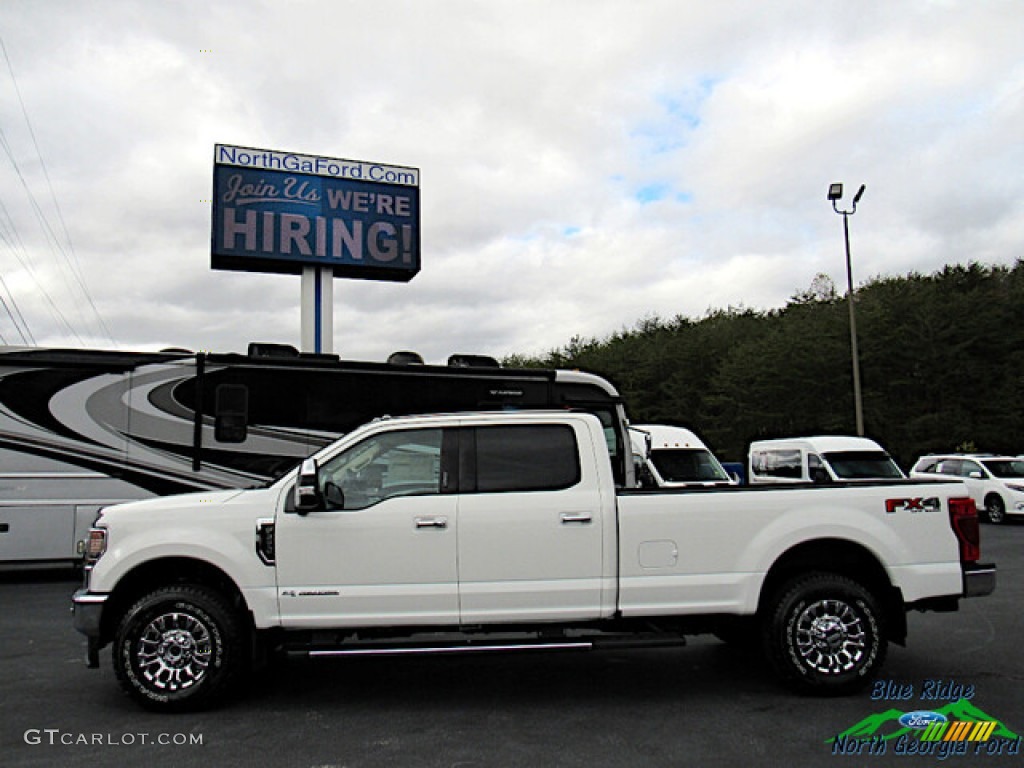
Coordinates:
[13,242]
[14,321]
[72,261]
[58,315]
[8,310]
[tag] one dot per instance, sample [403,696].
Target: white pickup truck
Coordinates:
[500,531]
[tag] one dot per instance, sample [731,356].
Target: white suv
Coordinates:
[996,483]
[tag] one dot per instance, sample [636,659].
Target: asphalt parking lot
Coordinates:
[705,704]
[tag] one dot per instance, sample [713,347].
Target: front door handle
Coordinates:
[431,522]
[576,517]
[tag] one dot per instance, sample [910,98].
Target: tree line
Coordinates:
[941,357]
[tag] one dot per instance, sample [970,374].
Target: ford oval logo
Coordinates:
[921,719]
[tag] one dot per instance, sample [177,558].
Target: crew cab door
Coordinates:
[381,549]
[531,524]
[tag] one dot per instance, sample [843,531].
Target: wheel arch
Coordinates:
[162,572]
[846,558]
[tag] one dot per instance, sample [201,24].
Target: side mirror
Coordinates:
[307,490]
[977,475]
[646,477]
[820,476]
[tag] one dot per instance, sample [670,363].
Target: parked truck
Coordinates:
[667,456]
[501,531]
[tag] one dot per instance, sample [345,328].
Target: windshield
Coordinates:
[1005,467]
[692,465]
[863,465]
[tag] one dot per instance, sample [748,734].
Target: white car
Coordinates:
[996,483]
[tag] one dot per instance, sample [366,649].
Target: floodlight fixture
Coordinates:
[835,194]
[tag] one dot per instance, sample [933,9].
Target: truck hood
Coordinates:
[180,501]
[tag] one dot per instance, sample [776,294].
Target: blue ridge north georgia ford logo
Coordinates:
[955,726]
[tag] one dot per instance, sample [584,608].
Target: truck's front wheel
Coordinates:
[825,633]
[179,648]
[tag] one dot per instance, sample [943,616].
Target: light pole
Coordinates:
[835,192]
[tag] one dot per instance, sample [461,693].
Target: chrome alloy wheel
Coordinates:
[830,637]
[173,652]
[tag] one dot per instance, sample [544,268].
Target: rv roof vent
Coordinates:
[263,349]
[473,361]
[405,358]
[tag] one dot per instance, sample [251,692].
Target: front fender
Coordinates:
[232,553]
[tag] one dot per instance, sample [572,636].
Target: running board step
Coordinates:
[467,647]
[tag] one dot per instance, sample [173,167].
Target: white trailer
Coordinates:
[83,429]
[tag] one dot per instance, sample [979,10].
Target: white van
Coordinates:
[822,459]
[673,457]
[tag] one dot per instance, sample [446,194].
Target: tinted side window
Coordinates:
[967,467]
[816,469]
[383,466]
[540,457]
[778,463]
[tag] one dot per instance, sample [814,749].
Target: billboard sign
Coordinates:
[280,211]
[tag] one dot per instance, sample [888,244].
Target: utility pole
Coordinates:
[835,192]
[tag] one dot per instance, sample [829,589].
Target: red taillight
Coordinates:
[963,517]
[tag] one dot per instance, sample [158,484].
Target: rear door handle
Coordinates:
[431,522]
[575,517]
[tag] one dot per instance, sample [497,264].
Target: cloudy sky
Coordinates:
[583,164]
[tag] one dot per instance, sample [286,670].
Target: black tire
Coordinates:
[995,509]
[824,634]
[180,648]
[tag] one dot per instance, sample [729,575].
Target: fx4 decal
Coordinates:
[913,505]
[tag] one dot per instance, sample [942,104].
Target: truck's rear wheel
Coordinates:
[825,634]
[179,648]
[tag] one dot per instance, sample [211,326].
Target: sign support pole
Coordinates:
[317,309]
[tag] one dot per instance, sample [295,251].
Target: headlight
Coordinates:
[1015,487]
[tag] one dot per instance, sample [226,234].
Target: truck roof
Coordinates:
[820,443]
[669,436]
[480,417]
